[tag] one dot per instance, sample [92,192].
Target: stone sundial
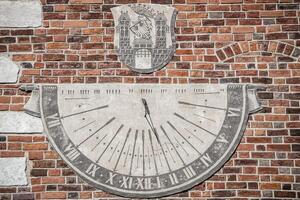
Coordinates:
[145,140]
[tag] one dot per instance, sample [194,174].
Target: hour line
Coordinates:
[112,139]
[113,152]
[176,130]
[149,161]
[122,149]
[129,147]
[108,122]
[182,147]
[131,162]
[183,118]
[170,152]
[98,108]
[84,126]
[99,142]
[138,158]
[204,117]
[162,149]
[203,106]
[193,135]
[150,137]
[162,128]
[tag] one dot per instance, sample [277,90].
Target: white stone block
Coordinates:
[19,122]
[13,171]
[8,69]
[20,13]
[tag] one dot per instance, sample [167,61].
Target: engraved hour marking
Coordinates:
[84,126]
[138,158]
[78,113]
[234,112]
[207,93]
[155,164]
[99,142]
[114,152]
[183,118]
[70,98]
[170,152]
[194,135]
[181,146]
[149,161]
[71,152]
[135,138]
[108,122]
[162,149]
[198,105]
[124,164]
[92,169]
[221,138]
[175,129]
[163,130]
[110,142]
[173,178]
[206,160]
[189,172]
[122,149]
[53,120]
[204,117]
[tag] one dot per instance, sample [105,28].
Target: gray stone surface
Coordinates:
[20,13]
[19,122]
[144,35]
[13,171]
[8,70]
[146,140]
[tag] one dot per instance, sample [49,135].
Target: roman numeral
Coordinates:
[92,169]
[148,183]
[222,139]
[158,185]
[140,183]
[189,172]
[53,120]
[126,182]
[110,180]
[71,152]
[206,160]
[173,178]
[234,112]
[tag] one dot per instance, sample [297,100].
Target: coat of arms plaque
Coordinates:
[144,35]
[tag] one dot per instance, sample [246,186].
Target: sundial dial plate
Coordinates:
[145,140]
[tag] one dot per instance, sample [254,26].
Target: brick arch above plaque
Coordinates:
[227,53]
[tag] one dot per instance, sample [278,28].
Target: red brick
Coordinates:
[53,57]
[267,170]
[35,146]
[53,180]
[54,195]
[75,24]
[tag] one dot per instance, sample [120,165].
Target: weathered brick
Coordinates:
[53,57]
[213,22]
[23,196]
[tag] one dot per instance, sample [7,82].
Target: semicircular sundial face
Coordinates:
[145,140]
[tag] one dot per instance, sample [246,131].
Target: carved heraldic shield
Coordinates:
[144,35]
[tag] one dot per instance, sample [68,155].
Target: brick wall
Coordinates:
[218,41]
